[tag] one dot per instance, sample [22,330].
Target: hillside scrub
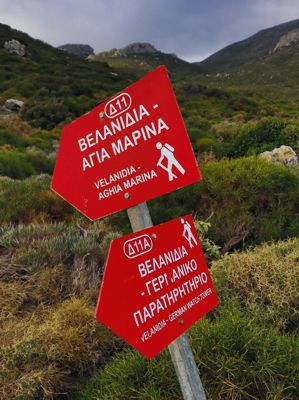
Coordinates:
[49,338]
[31,200]
[258,136]
[20,164]
[260,364]
[248,199]
[242,348]
[265,280]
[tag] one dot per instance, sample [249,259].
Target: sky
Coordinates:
[192,29]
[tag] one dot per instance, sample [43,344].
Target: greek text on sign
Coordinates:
[127,150]
[156,284]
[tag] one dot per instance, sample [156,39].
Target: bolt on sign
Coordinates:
[155,285]
[130,149]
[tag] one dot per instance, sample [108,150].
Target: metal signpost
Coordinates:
[132,148]
[180,350]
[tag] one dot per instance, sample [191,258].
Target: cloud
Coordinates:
[193,29]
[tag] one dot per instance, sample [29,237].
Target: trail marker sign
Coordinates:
[125,151]
[156,285]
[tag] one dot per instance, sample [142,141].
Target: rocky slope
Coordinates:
[80,50]
[142,57]
[251,49]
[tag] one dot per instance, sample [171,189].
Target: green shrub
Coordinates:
[31,199]
[265,280]
[248,199]
[12,138]
[290,135]
[256,137]
[44,140]
[20,164]
[210,249]
[238,359]
[15,164]
[45,113]
[207,145]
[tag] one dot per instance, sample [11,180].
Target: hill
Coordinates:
[55,84]
[141,58]
[249,50]
[266,63]
[261,64]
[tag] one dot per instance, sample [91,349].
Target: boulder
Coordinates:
[13,105]
[15,47]
[284,155]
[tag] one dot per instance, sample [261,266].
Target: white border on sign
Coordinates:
[134,239]
[120,112]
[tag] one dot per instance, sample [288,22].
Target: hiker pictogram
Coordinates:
[187,233]
[167,153]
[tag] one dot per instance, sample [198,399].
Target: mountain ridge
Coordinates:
[253,48]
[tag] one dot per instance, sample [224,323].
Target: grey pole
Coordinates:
[180,350]
[186,370]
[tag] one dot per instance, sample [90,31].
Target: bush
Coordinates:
[207,145]
[12,138]
[237,359]
[16,125]
[38,248]
[15,164]
[44,113]
[256,137]
[248,199]
[31,199]
[265,281]
[44,140]
[20,164]
[210,249]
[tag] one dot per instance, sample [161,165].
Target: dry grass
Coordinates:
[49,338]
[265,279]
[46,351]
[15,124]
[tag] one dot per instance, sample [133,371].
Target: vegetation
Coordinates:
[245,211]
[49,281]
[264,280]
[31,200]
[57,85]
[260,364]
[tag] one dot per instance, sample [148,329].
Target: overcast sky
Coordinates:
[193,29]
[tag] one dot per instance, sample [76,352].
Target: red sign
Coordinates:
[156,284]
[127,150]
